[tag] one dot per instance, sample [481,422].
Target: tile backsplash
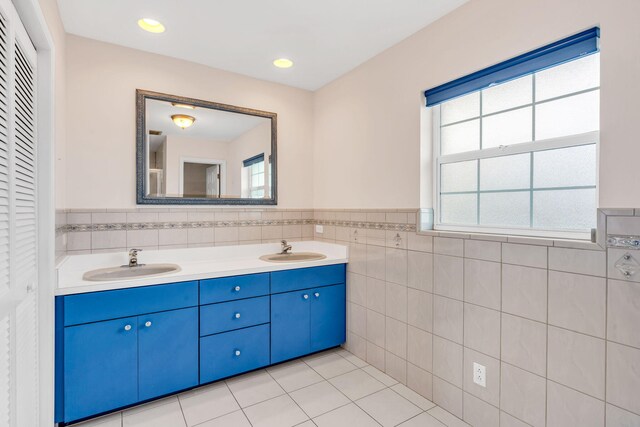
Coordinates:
[555,323]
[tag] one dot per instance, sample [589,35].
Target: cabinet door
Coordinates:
[231,353]
[100,367]
[290,325]
[328,317]
[168,352]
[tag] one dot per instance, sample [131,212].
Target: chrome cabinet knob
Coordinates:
[147,323]
[305,296]
[317,294]
[237,315]
[237,352]
[127,327]
[237,289]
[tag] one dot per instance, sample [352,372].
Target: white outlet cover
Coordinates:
[479,374]
[319,229]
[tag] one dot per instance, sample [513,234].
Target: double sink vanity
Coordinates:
[126,335]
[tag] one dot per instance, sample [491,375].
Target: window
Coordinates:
[255,176]
[520,156]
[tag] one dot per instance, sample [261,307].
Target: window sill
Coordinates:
[507,238]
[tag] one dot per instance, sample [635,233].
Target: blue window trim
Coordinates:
[253,160]
[570,48]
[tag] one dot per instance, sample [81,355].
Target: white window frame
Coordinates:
[250,175]
[505,150]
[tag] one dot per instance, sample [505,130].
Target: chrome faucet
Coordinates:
[286,248]
[133,258]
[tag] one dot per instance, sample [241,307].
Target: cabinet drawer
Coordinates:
[231,353]
[96,306]
[232,315]
[303,278]
[232,288]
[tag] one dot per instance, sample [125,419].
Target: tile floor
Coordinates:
[329,389]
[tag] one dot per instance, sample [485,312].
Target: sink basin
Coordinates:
[126,272]
[293,257]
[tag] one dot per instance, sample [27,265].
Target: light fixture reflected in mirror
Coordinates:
[187,106]
[183,121]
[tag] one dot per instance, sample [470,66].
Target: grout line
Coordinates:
[546,361]
[606,331]
[238,403]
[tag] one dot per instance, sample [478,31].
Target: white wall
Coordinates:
[249,144]
[367,123]
[52,17]
[101,119]
[178,147]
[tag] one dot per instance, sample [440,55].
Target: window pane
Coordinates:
[564,209]
[566,167]
[458,208]
[506,172]
[568,78]
[568,116]
[465,107]
[505,209]
[508,95]
[508,128]
[461,176]
[461,137]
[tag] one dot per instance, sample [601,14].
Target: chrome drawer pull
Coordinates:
[147,323]
[317,294]
[237,289]
[127,327]
[237,352]
[237,315]
[305,296]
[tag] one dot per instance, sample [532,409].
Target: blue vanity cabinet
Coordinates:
[122,347]
[290,325]
[167,352]
[311,318]
[231,353]
[100,367]
[117,348]
[328,317]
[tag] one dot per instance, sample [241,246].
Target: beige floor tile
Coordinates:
[388,407]
[280,411]
[253,388]
[356,384]
[319,398]
[346,416]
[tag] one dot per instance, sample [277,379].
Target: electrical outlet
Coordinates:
[319,229]
[479,374]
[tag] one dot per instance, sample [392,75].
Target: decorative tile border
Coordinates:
[181,225]
[368,225]
[628,242]
[220,224]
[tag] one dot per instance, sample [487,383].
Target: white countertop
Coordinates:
[195,264]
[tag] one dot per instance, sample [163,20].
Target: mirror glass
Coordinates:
[205,153]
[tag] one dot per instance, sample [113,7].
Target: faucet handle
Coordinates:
[284,242]
[134,252]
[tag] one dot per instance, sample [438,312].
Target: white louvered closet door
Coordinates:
[18,233]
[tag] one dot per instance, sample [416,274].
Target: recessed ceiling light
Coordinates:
[283,63]
[151,25]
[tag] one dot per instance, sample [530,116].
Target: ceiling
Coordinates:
[325,39]
[212,125]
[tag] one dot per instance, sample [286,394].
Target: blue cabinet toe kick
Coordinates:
[116,349]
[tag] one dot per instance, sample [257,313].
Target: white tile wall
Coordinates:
[554,322]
